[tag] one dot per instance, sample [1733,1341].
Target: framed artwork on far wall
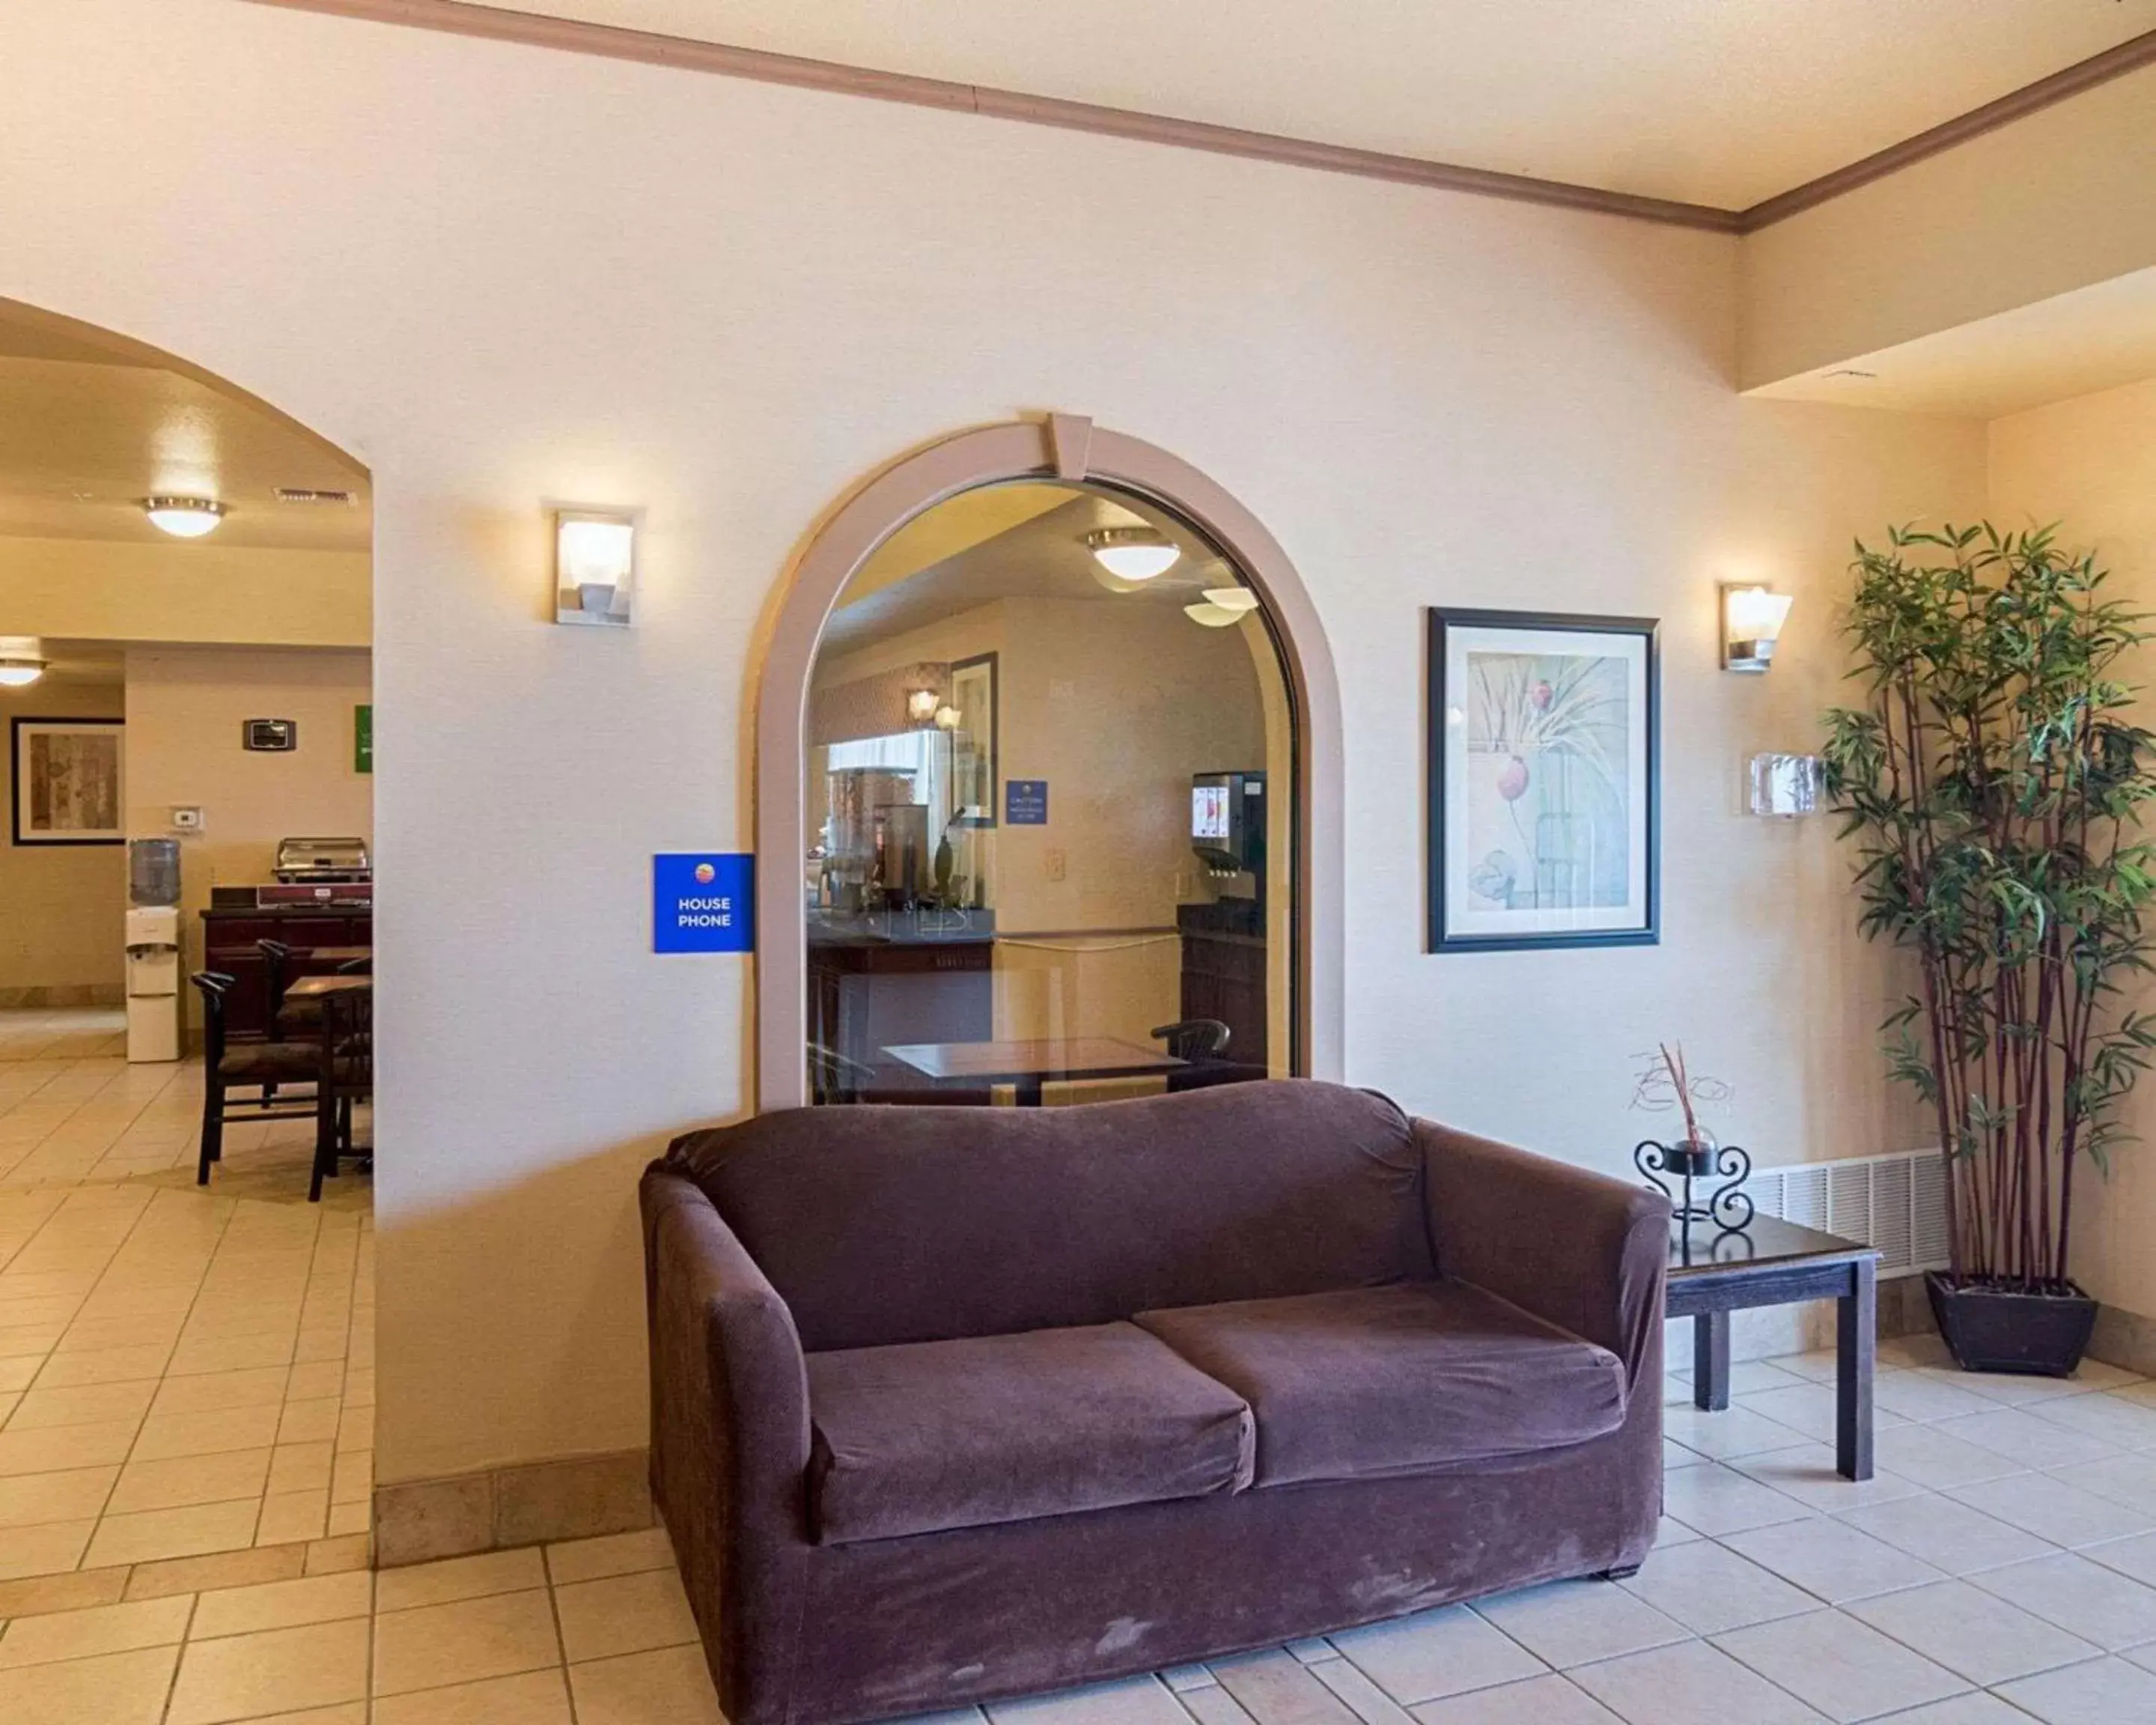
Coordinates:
[973,742]
[1544,781]
[69,783]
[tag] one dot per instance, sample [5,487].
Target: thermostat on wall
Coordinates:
[278,736]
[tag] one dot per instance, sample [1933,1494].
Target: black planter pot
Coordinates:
[1995,1330]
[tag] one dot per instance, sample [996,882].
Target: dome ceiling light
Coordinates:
[21,661]
[184,517]
[1222,606]
[1133,553]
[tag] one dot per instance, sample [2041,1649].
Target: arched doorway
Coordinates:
[1070,451]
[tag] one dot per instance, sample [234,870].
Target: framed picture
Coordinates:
[973,742]
[69,783]
[1544,771]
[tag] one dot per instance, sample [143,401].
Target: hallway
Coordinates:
[185,1374]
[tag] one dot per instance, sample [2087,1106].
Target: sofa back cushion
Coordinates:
[888,1225]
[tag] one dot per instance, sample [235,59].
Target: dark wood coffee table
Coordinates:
[1777,1263]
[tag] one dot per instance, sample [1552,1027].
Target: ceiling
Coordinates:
[1719,102]
[1042,556]
[2073,344]
[88,429]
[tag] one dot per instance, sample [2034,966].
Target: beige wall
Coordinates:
[1427,398]
[62,907]
[2063,199]
[97,589]
[2090,466]
[185,709]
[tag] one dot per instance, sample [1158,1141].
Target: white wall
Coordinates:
[498,276]
[2090,464]
[62,907]
[186,708]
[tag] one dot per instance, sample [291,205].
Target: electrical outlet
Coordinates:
[1058,864]
[186,820]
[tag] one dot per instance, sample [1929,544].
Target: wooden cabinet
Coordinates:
[865,995]
[229,938]
[1224,977]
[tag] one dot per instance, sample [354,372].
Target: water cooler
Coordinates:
[153,949]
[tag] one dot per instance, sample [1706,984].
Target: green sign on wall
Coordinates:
[363,739]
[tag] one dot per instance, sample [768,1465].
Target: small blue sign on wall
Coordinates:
[1025,802]
[703,901]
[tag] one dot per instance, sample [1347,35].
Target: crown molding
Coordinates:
[494,23]
[2128,56]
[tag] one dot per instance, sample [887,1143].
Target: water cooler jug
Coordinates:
[153,949]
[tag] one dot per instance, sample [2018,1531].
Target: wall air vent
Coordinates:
[308,494]
[1896,1203]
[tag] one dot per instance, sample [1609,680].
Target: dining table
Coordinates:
[314,988]
[1028,1063]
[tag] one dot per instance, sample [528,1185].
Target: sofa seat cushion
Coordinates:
[1389,1380]
[923,1435]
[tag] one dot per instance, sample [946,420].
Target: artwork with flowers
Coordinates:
[1544,773]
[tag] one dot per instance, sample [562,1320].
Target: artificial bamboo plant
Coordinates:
[1993,780]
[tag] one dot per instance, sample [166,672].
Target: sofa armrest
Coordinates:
[730,1431]
[1583,1251]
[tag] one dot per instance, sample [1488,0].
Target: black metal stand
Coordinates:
[1729,1209]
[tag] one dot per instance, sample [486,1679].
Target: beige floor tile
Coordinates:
[27,1499]
[101,1365]
[169,1434]
[283,1604]
[1840,1666]
[1689,1684]
[623,1613]
[272,1671]
[293,1515]
[354,1476]
[41,1550]
[1570,1622]
[214,1392]
[112,1689]
[463,1641]
[612,1554]
[355,1429]
[302,1467]
[73,1590]
[494,1572]
[16,1374]
[147,1536]
[1973,1634]
[311,1380]
[220,1569]
[531,1699]
[338,1553]
[310,1422]
[181,1479]
[101,1628]
[58,1449]
[1434,1653]
[231,1354]
[1540,1701]
[354,1517]
[671,1687]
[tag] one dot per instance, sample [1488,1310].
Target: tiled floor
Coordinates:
[183,1372]
[1965,1588]
[188,1375]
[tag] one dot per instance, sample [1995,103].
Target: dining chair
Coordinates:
[344,1077]
[259,1066]
[1192,1039]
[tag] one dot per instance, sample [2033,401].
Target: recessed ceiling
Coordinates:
[86,432]
[2073,344]
[1721,102]
[1043,555]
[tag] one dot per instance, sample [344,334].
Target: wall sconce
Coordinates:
[946,717]
[21,661]
[594,565]
[921,704]
[1751,618]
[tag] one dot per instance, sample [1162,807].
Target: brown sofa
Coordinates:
[950,1405]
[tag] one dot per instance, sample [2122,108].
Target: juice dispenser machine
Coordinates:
[153,949]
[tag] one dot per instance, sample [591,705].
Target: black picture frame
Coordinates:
[1441,622]
[17,793]
[990,662]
